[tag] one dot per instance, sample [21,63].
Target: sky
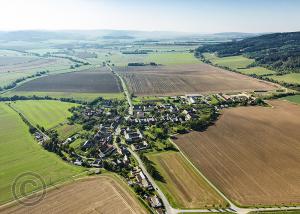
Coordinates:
[198,16]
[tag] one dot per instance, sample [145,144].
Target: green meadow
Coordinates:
[293,78]
[233,62]
[164,58]
[293,99]
[20,153]
[46,113]
[259,71]
[173,58]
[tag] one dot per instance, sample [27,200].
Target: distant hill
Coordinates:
[278,51]
[44,35]
[118,37]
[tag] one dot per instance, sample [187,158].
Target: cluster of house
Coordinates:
[138,177]
[102,140]
[39,137]
[89,112]
[237,98]
[144,114]
[135,138]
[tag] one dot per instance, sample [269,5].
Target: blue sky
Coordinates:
[204,16]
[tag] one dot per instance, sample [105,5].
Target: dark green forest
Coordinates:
[278,51]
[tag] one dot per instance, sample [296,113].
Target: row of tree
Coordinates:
[15,83]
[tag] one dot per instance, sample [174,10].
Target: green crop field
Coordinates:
[233,62]
[293,99]
[259,71]
[20,153]
[165,58]
[76,96]
[119,59]
[46,113]
[183,186]
[172,58]
[293,78]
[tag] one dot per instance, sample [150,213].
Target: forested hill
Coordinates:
[278,51]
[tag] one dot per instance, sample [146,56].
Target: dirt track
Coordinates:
[94,195]
[252,154]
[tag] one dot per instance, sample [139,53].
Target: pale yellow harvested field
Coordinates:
[102,194]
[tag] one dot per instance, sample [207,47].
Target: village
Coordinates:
[112,135]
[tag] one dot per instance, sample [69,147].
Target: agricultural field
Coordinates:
[293,78]
[233,62]
[102,194]
[95,81]
[259,71]
[6,78]
[183,186]
[163,58]
[293,99]
[251,154]
[20,153]
[26,63]
[172,58]
[65,130]
[45,113]
[16,67]
[119,59]
[186,79]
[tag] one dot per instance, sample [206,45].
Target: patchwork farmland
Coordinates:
[17,67]
[252,154]
[88,81]
[104,194]
[187,79]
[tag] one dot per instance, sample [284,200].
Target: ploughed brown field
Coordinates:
[94,195]
[90,81]
[252,154]
[184,79]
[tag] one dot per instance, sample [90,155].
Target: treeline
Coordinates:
[67,57]
[34,97]
[141,64]
[15,83]
[278,51]
[151,169]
